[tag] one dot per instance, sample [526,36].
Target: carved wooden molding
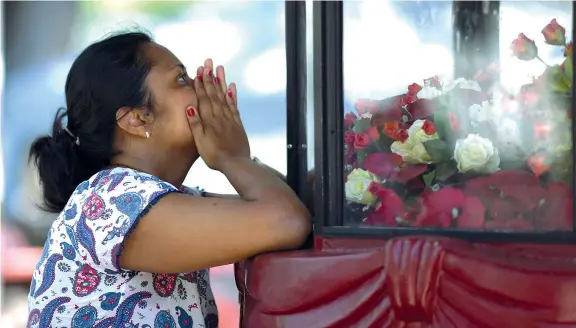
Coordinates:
[411,282]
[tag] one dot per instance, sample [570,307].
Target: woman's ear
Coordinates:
[134,121]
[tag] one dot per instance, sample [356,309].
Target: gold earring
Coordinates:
[147,135]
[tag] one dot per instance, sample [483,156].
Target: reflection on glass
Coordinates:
[453,152]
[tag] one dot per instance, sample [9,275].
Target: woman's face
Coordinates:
[173,92]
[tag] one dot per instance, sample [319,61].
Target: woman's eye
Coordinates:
[183,78]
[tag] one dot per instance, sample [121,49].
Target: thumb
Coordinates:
[194,121]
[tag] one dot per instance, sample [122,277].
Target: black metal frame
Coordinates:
[573,104]
[328,118]
[328,134]
[296,104]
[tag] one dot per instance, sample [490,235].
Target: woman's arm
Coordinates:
[191,233]
[309,201]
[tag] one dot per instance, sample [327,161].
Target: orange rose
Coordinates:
[554,33]
[536,163]
[524,48]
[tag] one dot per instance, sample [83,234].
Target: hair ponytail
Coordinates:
[60,165]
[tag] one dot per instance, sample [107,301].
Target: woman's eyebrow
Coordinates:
[180,66]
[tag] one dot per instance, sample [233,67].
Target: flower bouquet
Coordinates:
[450,153]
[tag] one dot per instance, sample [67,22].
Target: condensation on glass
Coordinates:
[458,115]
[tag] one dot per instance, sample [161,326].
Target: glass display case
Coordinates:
[458,126]
[444,176]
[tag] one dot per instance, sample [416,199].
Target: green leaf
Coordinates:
[429,178]
[361,155]
[361,125]
[557,80]
[438,149]
[445,170]
[561,168]
[442,123]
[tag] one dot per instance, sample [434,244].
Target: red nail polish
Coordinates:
[191,112]
[216,80]
[229,93]
[210,73]
[200,78]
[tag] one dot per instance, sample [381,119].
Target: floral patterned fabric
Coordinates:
[78,281]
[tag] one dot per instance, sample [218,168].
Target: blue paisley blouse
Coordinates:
[78,282]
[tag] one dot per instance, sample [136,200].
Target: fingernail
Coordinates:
[199,77]
[210,73]
[216,80]
[200,70]
[191,112]
[229,93]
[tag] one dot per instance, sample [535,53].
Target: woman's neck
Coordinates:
[168,168]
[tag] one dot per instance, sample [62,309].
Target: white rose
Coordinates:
[413,150]
[356,187]
[485,112]
[461,83]
[428,92]
[476,154]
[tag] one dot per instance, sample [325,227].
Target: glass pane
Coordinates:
[463,125]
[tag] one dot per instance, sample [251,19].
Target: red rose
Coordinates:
[349,119]
[434,81]
[349,138]
[361,140]
[568,50]
[393,131]
[554,33]
[402,135]
[429,127]
[454,122]
[440,207]
[390,211]
[472,216]
[524,48]
[413,89]
[407,99]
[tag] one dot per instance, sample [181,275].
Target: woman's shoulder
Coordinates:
[118,186]
[119,179]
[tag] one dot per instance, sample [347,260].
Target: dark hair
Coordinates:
[106,76]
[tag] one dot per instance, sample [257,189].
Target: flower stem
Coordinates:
[542,61]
